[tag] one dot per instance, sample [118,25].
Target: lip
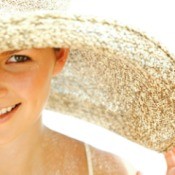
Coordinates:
[7,116]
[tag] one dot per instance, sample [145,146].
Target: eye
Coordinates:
[18,59]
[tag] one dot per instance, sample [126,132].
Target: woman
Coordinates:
[26,145]
[111,78]
[26,76]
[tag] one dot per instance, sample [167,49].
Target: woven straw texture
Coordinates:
[115,76]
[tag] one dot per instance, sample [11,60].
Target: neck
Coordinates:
[22,153]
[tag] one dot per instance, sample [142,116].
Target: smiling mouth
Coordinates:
[3,116]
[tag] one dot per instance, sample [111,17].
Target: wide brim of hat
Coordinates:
[115,76]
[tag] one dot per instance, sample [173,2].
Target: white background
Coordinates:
[157,19]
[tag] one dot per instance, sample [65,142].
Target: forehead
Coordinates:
[9,52]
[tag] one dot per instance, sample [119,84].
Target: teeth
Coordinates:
[5,110]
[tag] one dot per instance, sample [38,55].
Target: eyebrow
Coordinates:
[9,52]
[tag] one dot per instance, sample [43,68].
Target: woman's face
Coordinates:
[25,78]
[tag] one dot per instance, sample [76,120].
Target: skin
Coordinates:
[170,161]
[26,145]
[27,83]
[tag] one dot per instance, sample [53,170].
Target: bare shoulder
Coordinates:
[64,155]
[105,163]
[72,152]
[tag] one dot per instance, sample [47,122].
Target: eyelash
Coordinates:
[21,57]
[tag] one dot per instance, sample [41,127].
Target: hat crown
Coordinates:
[33,5]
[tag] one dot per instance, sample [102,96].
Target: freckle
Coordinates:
[34,67]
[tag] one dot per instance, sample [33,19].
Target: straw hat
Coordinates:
[115,76]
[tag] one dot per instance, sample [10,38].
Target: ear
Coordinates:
[61,57]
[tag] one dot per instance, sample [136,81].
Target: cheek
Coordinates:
[32,86]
